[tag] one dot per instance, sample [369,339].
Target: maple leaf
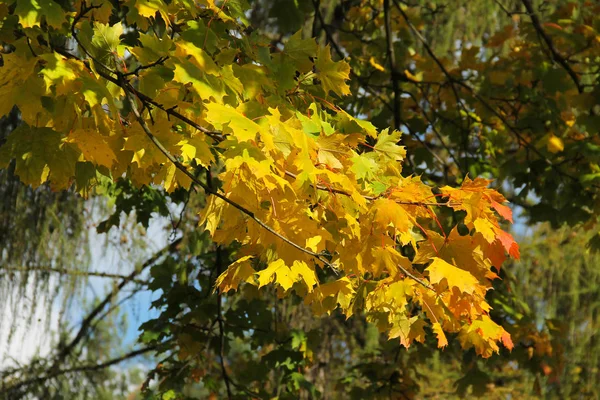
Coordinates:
[152,48]
[364,166]
[40,156]
[301,271]
[441,336]
[196,148]
[20,86]
[455,277]
[300,51]
[340,292]
[242,128]
[486,228]
[503,210]
[387,145]
[408,330]
[385,260]
[60,73]
[239,271]
[330,148]
[278,272]
[105,42]
[206,86]
[94,146]
[145,153]
[509,244]
[210,216]
[149,8]
[199,56]
[32,12]
[333,75]
[388,212]
[101,11]
[483,334]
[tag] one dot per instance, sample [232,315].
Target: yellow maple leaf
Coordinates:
[211,214]
[555,144]
[333,75]
[313,242]
[243,128]
[455,277]
[441,336]
[196,148]
[40,155]
[483,334]
[486,228]
[408,330]
[94,146]
[239,271]
[202,60]
[278,272]
[301,271]
[388,212]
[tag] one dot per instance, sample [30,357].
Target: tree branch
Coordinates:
[555,54]
[12,390]
[392,60]
[218,262]
[521,140]
[65,271]
[86,323]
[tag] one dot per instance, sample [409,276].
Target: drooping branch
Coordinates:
[87,322]
[55,372]
[65,271]
[131,94]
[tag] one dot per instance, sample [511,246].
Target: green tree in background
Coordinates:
[334,236]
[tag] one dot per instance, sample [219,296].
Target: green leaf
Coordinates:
[300,51]
[40,156]
[32,12]
[333,75]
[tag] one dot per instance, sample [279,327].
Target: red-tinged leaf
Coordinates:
[553,25]
[503,210]
[512,248]
[507,341]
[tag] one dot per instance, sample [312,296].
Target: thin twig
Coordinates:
[370,198]
[415,278]
[218,262]
[392,60]
[136,71]
[555,54]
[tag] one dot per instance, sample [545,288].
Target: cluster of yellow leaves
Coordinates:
[316,175]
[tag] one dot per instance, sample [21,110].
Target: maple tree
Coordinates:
[317,159]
